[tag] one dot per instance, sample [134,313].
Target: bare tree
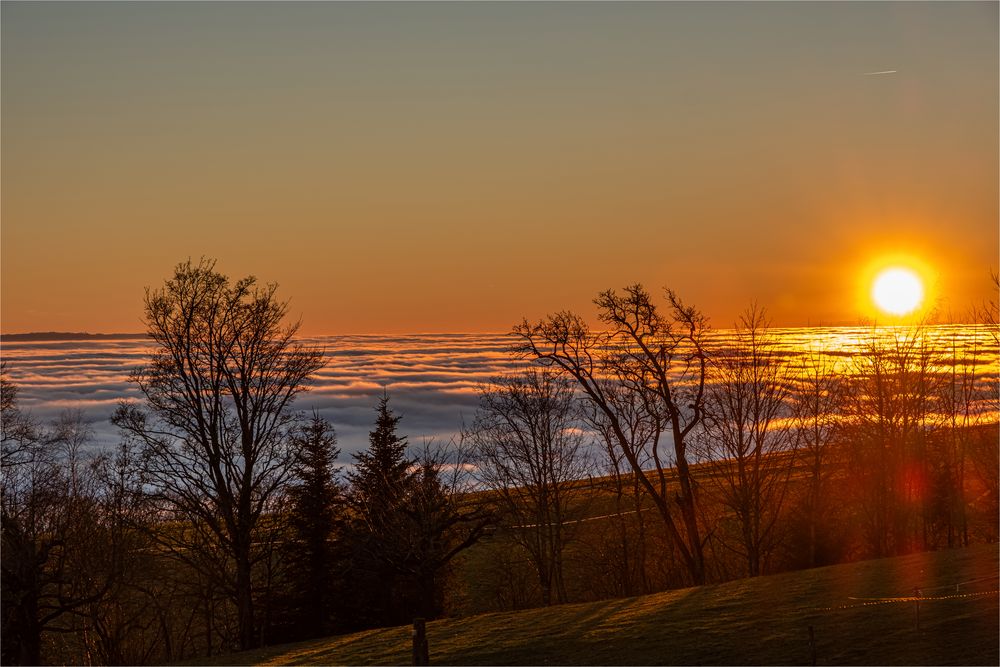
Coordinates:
[218,394]
[20,433]
[33,524]
[661,360]
[963,401]
[443,519]
[986,453]
[58,555]
[629,495]
[890,406]
[744,442]
[817,403]
[532,454]
[970,399]
[123,627]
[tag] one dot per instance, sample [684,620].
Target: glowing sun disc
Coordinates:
[898,291]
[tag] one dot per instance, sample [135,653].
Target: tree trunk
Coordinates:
[30,648]
[244,602]
[427,606]
[23,638]
[641,537]
[696,564]
[22,631]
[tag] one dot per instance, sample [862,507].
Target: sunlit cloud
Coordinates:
[433,380]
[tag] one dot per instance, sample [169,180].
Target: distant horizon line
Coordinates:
[83,335]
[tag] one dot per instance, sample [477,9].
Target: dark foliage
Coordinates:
[219,519]
[215,421]
[316,517]
[380,485]
[409,522]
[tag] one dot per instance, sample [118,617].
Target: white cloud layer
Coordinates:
[432,379]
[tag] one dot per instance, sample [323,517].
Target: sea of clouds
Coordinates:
[433,380]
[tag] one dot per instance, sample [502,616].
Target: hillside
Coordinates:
[750,621]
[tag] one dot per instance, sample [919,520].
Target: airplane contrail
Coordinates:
[885,71]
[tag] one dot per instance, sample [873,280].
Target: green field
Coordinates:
[750,621]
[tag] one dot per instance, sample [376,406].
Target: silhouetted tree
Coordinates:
[817,404]
[961,401]
[981,448]
[214,428]
[891,410]
[316,515]
[126,626]
[531,454]
[628,569]
[441,518]
[20,435]
[379,486]
[744,443]
[29,504]
[661,360]
[58,553]
[413,516]
[381,476]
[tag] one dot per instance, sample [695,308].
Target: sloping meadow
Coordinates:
[860,614]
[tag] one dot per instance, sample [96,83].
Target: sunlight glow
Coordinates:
[898,291]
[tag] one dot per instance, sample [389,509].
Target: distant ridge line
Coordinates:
[68,335]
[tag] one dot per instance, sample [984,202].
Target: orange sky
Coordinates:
[454,167]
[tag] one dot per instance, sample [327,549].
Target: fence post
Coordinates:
[916,609]
[420,650]
[812,647]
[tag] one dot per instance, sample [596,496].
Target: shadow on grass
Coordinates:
[752,621]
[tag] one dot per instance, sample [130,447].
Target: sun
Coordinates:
[898,291]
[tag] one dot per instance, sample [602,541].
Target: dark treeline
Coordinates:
[616,462]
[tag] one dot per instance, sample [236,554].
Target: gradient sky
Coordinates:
[454,167]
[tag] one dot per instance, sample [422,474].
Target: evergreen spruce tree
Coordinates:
[382,473]
[316,517]
[380,485]
[410,524]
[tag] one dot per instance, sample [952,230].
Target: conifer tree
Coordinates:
[379,488]
[316,517]
[411,522]
[381,477]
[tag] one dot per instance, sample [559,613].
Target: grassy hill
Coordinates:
[751,621]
